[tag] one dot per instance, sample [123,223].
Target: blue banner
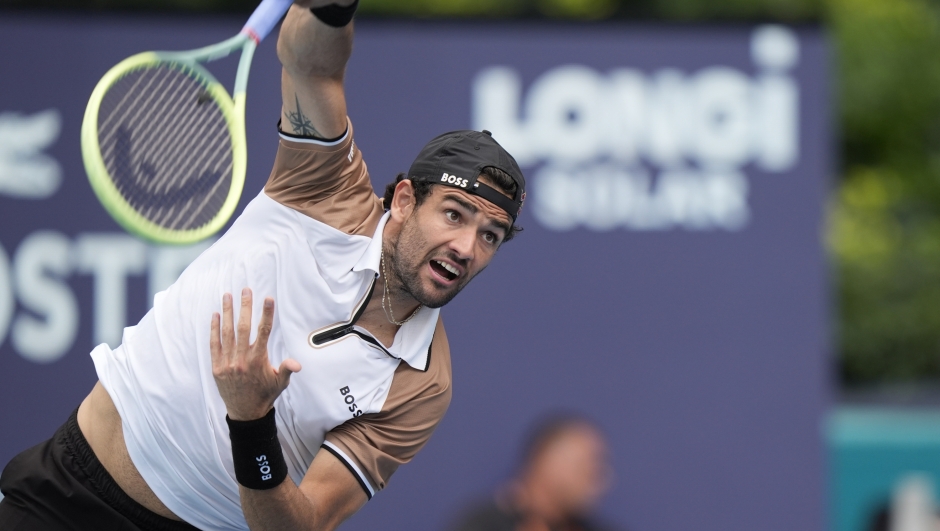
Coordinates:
[670,282]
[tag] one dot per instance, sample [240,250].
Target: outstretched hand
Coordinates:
[247,381]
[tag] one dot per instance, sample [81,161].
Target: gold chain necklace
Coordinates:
[388,310]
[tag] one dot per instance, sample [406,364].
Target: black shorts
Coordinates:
[61,485]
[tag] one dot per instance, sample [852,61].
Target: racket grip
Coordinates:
[265,17]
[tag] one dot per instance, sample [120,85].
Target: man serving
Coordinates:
[221,413]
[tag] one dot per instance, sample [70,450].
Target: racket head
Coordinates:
[164,148]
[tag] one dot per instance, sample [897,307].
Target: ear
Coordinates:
[403,204]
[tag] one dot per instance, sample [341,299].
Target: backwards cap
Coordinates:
[457,159]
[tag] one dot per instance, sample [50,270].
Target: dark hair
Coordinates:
[493,175]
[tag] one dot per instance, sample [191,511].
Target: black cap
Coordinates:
[457,158]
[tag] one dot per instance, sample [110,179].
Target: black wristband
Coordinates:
[256,452]
[335,15]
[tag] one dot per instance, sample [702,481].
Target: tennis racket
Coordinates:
[164,144]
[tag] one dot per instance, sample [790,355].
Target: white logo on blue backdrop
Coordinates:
[637,151]
[36,275]
[25,172]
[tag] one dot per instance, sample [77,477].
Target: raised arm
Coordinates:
[314,57]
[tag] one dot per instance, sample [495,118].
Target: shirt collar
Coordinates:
[413,340]
[370,259]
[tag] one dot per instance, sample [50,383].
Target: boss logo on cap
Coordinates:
[453,179]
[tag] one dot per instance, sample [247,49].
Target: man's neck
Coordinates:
[377,317]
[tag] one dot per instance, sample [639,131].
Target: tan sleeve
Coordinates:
[377,444]
[327,182]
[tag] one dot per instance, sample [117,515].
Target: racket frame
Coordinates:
[233,111]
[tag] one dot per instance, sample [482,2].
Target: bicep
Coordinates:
[334,493]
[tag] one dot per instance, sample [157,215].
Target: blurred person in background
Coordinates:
[911,508]
[563,474]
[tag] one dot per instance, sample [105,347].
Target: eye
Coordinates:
[490,238]
[452,216]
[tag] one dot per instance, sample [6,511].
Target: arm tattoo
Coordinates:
[300,123]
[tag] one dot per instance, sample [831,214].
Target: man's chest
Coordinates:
[343,377]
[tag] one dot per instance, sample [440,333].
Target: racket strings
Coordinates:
[166,146]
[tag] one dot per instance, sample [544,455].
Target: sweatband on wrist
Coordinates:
[335,15]
[256,452]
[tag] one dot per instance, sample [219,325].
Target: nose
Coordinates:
[463,243]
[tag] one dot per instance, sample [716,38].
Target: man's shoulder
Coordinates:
[415,404]
[434,379]
[326,180]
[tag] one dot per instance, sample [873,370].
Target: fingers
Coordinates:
[215,342]
[288,367]
[264,326]
[244,324]
[233,341]
[228,332]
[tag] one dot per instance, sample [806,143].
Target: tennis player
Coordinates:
[221,412]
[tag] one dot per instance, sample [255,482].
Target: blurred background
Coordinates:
[731,262]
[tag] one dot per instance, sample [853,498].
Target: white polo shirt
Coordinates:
[312,241]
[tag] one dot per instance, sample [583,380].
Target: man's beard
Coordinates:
[406,263]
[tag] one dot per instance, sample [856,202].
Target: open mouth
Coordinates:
[445,270]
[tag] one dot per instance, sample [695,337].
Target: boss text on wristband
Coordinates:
[256,452]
